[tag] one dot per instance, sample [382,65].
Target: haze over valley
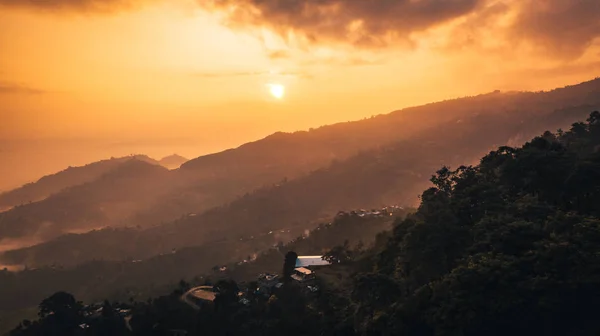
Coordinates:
[244,167]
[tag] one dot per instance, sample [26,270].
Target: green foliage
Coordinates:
[509,246]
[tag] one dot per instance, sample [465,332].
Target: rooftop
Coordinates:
[305,261]
[303,270]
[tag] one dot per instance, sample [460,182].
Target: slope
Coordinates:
[213,180]
[51,184]
[392,174]
[507,246]
[101,202]
[172,161]
[139,279]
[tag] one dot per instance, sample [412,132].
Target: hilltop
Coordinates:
[381,160]
[172,161]
[505,246]
[72,176]
[391,174]
[216,179]
[97,203]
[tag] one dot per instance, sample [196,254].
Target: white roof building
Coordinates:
[307,261]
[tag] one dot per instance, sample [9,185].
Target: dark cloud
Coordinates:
[321,21]
[564,27]
[12,88]
[472,30]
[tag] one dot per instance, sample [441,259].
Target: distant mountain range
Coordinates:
[301,177]
[72,176]
[217,208]
[51,184]
[172,161]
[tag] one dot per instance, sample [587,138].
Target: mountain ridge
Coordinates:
[392,174]
[215,179]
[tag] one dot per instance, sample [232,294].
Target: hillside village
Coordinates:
[265,284]
[462,224]
[305,272]
[306,267]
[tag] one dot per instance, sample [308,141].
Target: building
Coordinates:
[266,282]
[303,274]
[311,261]
[305,266]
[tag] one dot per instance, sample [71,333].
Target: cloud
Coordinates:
[343,61]
[12,88]
[278,54]
[564,27]
[359,22]
[559,28]
[591,68]
[251,73]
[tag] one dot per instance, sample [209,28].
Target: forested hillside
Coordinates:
[52,184]
[107,200]
[509,246]
[391,174]
[142,278]
[212,180]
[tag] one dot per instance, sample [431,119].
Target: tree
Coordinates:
[60,314]
[289,265]
[339,254]
[60,304]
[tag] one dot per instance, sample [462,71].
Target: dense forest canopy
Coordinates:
[508,246]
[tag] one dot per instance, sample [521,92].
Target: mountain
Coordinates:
[121,280]
[104,201]
[398,149]
[508,245]
[51,184]
[214,179]
[391,174]
[303,151]
[172,161]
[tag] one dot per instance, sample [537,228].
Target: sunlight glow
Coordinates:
[277,90]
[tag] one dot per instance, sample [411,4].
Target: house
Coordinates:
[266,282]
[305,266]
[302,274]
[311,261]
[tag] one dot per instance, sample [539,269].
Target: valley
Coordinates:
[130,228]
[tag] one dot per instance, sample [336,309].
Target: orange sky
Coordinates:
[188,77]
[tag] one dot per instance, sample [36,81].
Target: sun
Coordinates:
[277,90]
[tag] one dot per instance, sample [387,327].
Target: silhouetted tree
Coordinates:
[289,264]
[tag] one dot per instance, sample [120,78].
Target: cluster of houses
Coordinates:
[304,274]
[93,312]
[305,268]
[382,212]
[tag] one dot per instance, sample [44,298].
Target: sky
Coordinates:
[82,80]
